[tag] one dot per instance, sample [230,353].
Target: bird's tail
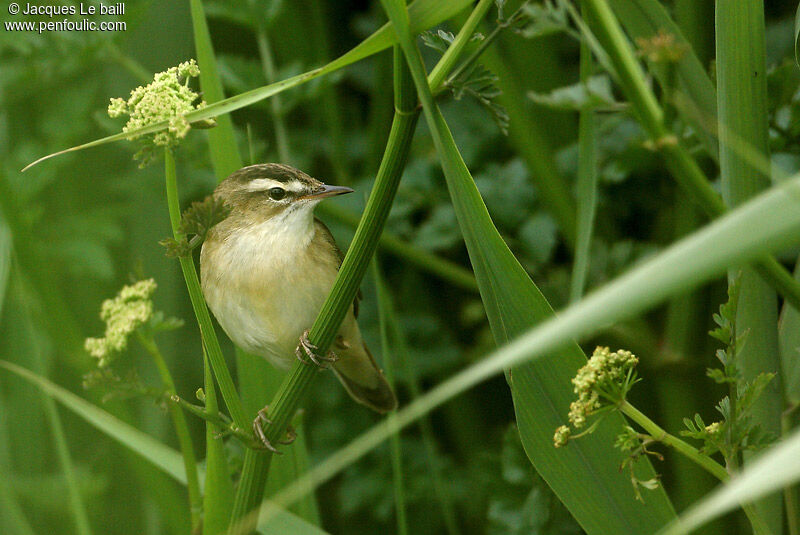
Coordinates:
[364,380]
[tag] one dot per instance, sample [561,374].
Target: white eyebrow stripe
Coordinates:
[263,184]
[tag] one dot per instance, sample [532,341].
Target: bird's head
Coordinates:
[265,191]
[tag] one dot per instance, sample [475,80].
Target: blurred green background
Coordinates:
[76,228]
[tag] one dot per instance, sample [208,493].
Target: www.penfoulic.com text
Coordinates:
[83,17]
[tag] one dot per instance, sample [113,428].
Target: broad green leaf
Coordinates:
[765,224]
[775,469]
[643,19]
[424,14]
[585,477]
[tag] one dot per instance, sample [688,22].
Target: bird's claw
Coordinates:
[306,353]
[261,419]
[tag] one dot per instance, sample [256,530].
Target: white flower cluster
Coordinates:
[123,314]
[167,98]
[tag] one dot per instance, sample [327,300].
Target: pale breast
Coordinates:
[265,290]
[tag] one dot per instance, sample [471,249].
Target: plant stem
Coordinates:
[268,66]
[587,184]
[181,430]
[389,361]
[660,435]
[677,159]
[207,332]
[707,463]
[299,380]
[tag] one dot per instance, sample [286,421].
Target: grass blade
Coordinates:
[541,391]
[163,457]
[587,185]
[389,360]
[221,140]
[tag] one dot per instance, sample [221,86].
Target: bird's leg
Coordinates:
[306,353]
[260,420]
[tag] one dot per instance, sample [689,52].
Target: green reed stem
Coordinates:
[677,159]
[207,332]
[181,430]
[587,184]
[268,66]
[299,380]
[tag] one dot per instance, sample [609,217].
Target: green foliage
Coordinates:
[475,80]
[737,431]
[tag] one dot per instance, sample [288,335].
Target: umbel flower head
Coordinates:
[603,382]
[167,98]
[122,315]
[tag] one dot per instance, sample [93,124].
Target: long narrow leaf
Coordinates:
[163,457]
[585,477]
[424,14]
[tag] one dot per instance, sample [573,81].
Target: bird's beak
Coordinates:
[325,191]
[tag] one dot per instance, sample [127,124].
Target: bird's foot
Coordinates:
[306,353]
[258,423]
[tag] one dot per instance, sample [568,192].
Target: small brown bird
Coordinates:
[268,267]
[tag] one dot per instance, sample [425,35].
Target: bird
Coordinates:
[267,268]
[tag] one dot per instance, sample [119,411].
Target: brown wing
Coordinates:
[325,233]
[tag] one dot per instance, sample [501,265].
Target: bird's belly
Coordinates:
[265,311]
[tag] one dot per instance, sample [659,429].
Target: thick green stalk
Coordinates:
[693,454]
[299,380]
[207,332]
[218,496]
[742,116]
[181,430]
[677,159]
[587,184]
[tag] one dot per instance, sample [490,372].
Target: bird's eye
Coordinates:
[277,194]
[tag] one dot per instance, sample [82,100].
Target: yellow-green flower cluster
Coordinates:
[606,376]
[562,435]
[122,315]
[167,98]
